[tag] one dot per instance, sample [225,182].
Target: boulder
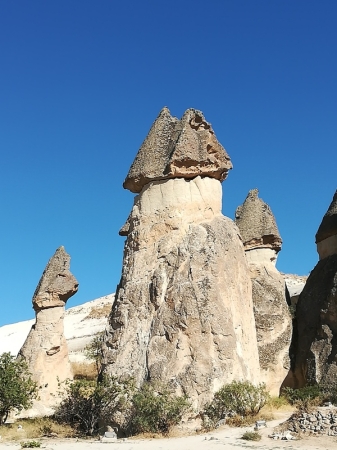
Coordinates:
[316,334]
[183,310]
[45,349]
[262,242]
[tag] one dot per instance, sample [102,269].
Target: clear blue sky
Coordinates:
[81,83]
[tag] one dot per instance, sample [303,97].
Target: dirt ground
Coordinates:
[224,437]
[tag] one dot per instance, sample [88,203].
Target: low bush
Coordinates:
[156,409]
[87,403]
[237,398]
[30,444]
[277,402]
[251,436]
[305,397]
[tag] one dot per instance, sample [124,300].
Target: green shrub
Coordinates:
[239,397]
[87,403]
[305,397]
[251,436]
[17,388]
[156,409]
[30,444]
[278,402]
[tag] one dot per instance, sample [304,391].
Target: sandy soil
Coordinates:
[227,437]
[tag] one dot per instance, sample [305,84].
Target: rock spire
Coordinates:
[183,311]
[174,148]
[262,241]
[45,348]
[316,331]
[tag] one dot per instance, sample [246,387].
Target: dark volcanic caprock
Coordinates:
[257,223]
[176,148]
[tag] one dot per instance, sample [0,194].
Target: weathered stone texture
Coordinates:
[176,148]
[257,224]
[183,312]
[272,317]
[316,352]
[45,348]
[328,226]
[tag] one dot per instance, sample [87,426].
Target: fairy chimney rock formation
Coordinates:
[45,349]
[176,148]
[316,337]
[178,314]
[262,242]
[326,236]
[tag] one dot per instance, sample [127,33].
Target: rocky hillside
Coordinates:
[81,324]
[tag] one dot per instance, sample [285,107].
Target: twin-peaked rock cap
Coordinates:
[257,224]
[328,226]
[57,283]
[176,148]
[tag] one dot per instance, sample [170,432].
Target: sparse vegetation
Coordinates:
[251,436]
[93,351]
[156,409]
[84,371]
[240,398]
[98,312]
[86,403]
[304,398]
[30,444]
[17,389]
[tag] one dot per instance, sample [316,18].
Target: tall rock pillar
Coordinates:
[262,243]
[45,349]
[183,311]
[316,313]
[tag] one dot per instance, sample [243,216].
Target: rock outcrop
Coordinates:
[45,349]
[262,242]
[183,311]
[316,313]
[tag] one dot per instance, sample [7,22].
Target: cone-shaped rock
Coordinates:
[183,311]
[262,241]
[257,224]
[176,148]
[316,313]
[326,236]
[45,349]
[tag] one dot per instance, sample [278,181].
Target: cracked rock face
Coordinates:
[273,321]
[316,313]
[178,313]
[176,148]
[45,348]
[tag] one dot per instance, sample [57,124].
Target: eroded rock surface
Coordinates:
[316,313]
[45,348]
[262,241]
[177,148]
[183,311]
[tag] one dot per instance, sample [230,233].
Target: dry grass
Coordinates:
[84,371]
[99,312]
[34,429]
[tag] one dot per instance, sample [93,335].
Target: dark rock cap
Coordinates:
[57,283]
[257,224]
[328,226]
[177,148]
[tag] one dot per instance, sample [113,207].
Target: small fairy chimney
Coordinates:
[326,236]
[262,242]
[45,349]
